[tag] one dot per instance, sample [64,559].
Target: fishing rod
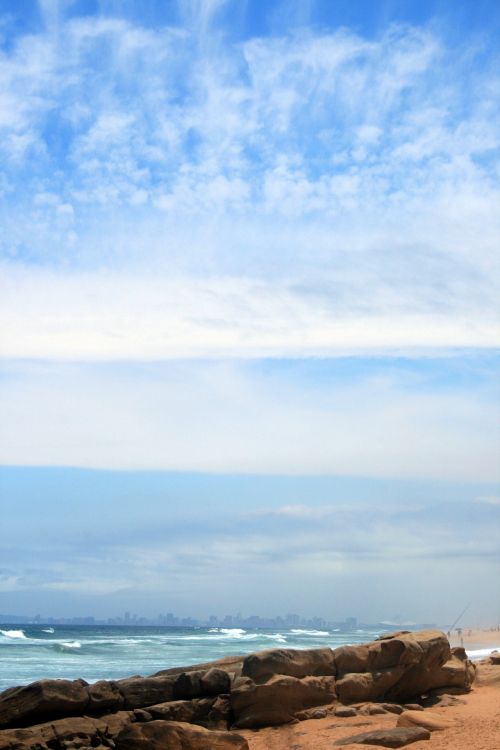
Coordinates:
[460,616]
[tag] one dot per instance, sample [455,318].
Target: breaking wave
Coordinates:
[13,634]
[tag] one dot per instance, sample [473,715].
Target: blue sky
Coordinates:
[257,244]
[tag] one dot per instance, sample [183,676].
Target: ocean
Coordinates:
[34,652]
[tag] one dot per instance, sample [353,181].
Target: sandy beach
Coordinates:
[476,639]
[474,720]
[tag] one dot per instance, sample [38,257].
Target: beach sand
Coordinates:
[474,639]
[475,719]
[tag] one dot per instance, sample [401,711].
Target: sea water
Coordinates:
[34,652]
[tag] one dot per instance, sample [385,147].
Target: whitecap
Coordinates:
[13,634]
[275,637]
[297,631]
[68,646]
[48,630]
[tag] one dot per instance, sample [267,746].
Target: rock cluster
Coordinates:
[197,708]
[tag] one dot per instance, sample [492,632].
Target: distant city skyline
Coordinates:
[228,621]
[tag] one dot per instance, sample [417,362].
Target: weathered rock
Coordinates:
[413,707]
[373,709]
[200,711]
[427,672]
[140,714]
[163,735]
[201,683]
[42,700]
[397,737]
[346,712]
[112,724]
[139,692]
[75,732]
[104,696]
[393,708]
[287,661]
[433,722]
[349,659]
[367,686]
[221,712]
[230,664]
[278,700]
[312,713]
[494,657]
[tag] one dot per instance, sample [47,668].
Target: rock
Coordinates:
[413,707]
[230,664]
[139,692]
[141,715]
[201,683]
[169,735]
[278,700]
[346,712]
[75,732]
[433,722]
[292,662]
[312,713]
[348,659]
[432,670]
[374,709]
[43,700]
[104,696]
[393,708]
[494,657]
[397,737]
[197,711]
[367,686]
[113,724]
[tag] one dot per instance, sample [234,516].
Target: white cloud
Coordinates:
[229,418]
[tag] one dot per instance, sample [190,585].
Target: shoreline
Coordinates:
[477,642]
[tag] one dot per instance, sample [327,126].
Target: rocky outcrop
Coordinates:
[278,700]
[160,735]
[267,688]
[44,699]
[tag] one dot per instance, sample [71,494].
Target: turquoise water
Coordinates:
[29,653]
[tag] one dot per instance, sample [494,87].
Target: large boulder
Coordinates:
[437,667]
[288,661]
[278,700]
[138,692]
[76,732]
[104,696]
[160,735]
[207,712]
[42,700]
[367,686]
[201,683]
[433,722]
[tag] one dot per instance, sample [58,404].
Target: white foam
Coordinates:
[481,653]
[297,631]
[70,646]
[48,630]
[13,634]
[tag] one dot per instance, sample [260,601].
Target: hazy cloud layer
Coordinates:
[258,553]
[362,418]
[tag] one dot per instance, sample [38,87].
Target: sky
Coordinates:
[249,285]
